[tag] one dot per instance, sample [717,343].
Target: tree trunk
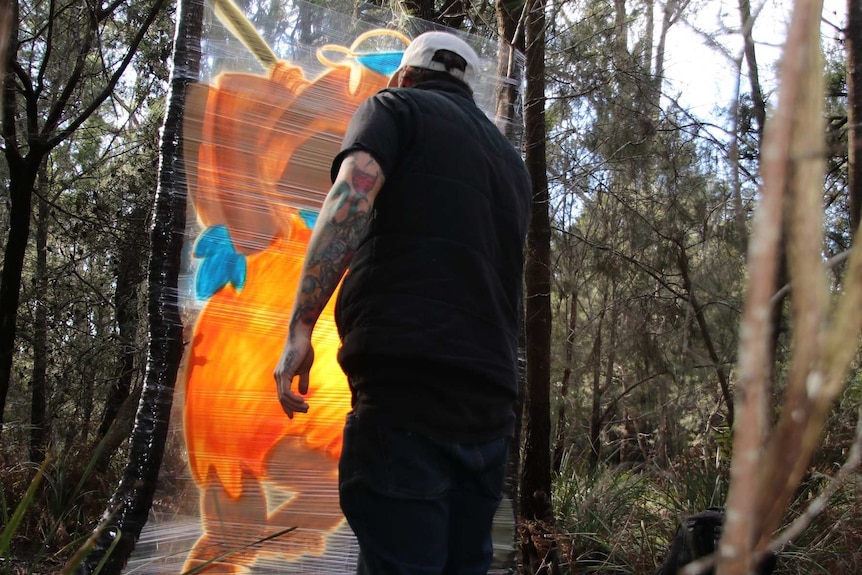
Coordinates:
[602,415]
[511,39]
[596,399]
[853,39]
[423,9]
[107,445]
[508,121]
[130,273]
[22,178]
[535,493]
[562,419]
[536,474]
[751,60]
[562,423]
[130,504]
[39,381]
[718,365]
[759,104]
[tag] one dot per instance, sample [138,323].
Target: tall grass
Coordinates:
[50,497]
[621,519]
[13,522]
[604,517]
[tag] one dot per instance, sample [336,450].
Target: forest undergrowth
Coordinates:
[616,518]
[620,518]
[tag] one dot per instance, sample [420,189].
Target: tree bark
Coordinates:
[751,60]
[853,39]
[596,399]
[423,9]
[131,271]
[510,30]
[511,38]
[536,473]
[562,419]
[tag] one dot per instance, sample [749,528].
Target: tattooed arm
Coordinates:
[341,225]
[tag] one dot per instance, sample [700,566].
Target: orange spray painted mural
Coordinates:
[258,147]
[258,142]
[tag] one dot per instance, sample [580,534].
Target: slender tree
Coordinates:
[39,381]
[853,41]
[536,469]
[770,460]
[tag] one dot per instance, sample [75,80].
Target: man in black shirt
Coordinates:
[429,209]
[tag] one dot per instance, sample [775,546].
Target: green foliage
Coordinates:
[694,482]
[619,519]
[12,523]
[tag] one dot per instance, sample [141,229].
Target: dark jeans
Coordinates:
[416,505]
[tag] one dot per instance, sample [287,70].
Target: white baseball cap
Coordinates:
[420,54]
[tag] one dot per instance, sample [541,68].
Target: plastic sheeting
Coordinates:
[261,126]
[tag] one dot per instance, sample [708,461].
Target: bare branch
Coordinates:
[109,87]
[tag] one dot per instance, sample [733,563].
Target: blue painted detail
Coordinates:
[381,62]
[309,217]
[220,265]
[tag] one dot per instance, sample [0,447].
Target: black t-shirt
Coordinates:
[428,310]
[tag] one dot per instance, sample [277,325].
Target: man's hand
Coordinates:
[341,226]
[296,360]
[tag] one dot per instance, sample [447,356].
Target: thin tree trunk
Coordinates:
[596,399]
[423,9]
[751,60]
[130,505]
[22,178]
[511,32]
[764,473]
[562,423]
[562,420]
[39,380]
[778,315]
[720,372]
[107,445]
[601,416]
[130,274]
[535,495]
[853,39]
[507,120]
[536,472]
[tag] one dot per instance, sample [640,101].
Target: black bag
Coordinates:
[698,537]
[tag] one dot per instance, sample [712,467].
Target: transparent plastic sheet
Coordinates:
[261,124]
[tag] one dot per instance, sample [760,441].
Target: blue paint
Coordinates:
[385,63]
[309,217]
[220,265]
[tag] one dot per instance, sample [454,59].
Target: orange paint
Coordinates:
[232,415]
[250,130]
[258,149]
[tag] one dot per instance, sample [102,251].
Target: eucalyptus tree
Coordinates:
[64,61]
